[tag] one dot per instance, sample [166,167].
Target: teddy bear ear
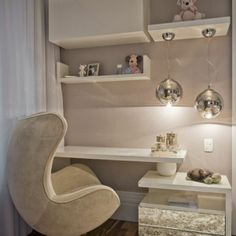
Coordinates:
[127,58]
[139,58]
[179,2]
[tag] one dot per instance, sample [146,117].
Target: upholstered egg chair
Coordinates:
[69,202]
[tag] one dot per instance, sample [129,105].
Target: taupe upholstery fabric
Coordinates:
[76,175]
[69,202]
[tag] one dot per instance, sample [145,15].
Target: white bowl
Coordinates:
[166,169]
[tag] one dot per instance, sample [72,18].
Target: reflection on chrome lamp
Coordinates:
[209,103]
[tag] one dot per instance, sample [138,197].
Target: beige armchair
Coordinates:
[69,202]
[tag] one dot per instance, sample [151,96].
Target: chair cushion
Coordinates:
[73,177]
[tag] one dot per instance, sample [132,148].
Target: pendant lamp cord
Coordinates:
[208,62]
[168,58]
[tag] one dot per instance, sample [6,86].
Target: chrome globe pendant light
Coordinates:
[209,103]
[169,92]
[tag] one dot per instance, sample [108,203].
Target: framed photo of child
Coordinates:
[93,69]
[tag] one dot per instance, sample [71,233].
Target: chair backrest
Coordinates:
[31,152]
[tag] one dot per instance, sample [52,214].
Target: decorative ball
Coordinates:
[208,180]
[216,177]
[169,92]
[209,103]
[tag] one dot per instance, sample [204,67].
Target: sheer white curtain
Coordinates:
[24,88]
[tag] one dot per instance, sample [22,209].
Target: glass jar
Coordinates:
[171,140]
[119,69]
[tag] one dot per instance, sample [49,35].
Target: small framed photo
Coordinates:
[93,69]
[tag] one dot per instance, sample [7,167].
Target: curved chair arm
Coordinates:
[81,192]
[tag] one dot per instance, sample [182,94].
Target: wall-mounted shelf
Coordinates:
[66,79]
[104,78]
[120,154]
[178,182]
[189,29]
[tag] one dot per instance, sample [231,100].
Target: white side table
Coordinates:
[157,217]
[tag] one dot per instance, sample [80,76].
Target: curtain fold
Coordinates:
[24,86]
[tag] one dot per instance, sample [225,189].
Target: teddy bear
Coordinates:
[189,11]
[82,70]
[205,176]
[133,64]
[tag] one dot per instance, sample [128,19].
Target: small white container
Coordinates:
[166,169]
[119,69]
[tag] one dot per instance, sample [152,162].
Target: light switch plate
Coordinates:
[208,145]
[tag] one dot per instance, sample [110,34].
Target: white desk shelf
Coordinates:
[189,29]
[120,154]
[63,77]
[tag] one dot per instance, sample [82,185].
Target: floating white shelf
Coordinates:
[120,154]
[66,79]
[178,182]
[104,78]
[190,29]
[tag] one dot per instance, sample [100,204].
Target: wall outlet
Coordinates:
[208,145]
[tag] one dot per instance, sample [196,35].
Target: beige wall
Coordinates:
[127,114]
[188,66]
[137,127]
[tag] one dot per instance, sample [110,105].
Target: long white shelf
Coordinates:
[120,154]
[178,182]
[63,75]
[104,78]
[190,29]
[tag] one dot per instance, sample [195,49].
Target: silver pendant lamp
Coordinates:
[209,103]
[169,92]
